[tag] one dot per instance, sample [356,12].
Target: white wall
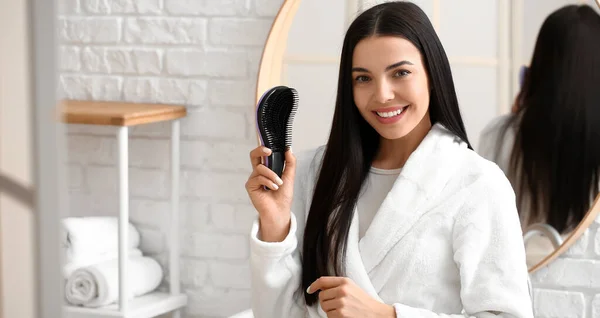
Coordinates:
[205,54]
[17,221]
[536,12]
[570,286]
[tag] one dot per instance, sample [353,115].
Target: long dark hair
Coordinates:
[353,143]
[555,160]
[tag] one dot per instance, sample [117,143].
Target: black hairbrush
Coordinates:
[274,117]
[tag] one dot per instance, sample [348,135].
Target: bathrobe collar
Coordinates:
[426,172]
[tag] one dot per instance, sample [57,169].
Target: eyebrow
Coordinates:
[362,69]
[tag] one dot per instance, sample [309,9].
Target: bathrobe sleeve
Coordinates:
[489,253]
[276,275]
[489,141]
[276,267]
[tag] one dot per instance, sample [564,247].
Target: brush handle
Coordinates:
[276,161]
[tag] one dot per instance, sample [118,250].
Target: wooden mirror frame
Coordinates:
[269,75]
[271,61]
[269,71]
[588,219]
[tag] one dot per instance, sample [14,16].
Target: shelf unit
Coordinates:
[122,116]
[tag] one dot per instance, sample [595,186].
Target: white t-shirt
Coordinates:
[378,184]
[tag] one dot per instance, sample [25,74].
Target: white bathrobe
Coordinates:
[446,241]
[498,148]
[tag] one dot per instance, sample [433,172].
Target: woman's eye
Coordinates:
[362,79]
[402,73]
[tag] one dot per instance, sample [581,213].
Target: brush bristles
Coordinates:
[276,118]
[290,121]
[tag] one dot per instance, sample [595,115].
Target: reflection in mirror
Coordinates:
[547,144]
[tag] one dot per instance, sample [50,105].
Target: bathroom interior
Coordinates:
[142,112]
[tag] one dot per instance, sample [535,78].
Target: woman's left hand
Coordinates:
[340,297]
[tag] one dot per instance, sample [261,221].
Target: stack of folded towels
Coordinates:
[91,248]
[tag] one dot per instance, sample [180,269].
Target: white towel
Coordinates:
[98,285]
[78,263]
[86,237]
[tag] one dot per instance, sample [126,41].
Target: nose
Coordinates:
[384,92]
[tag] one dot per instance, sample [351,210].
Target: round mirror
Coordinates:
[543,242]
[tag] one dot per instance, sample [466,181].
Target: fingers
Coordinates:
[263,176]
[328,294]
[289,173]
[326,282]
[257,153]
[335,313]
[260,181]
[262,170]
[331,305]
[334,295]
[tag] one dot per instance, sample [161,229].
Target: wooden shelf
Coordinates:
[122,115]
[150,305]
[117,113]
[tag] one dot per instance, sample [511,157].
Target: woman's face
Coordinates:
[390,85]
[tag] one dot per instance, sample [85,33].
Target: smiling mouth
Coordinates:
[392,113]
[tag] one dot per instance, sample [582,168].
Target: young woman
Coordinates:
[549,147]
[396,216]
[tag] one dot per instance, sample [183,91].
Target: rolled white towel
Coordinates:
[78,263]
[85,237]
[98,285]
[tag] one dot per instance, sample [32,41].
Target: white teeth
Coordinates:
[390,114]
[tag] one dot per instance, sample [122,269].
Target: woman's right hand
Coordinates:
[273,205]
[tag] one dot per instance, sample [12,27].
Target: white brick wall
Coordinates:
[570,286]
[200,53]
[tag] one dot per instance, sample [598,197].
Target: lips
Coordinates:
[390,115]
[389,112]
